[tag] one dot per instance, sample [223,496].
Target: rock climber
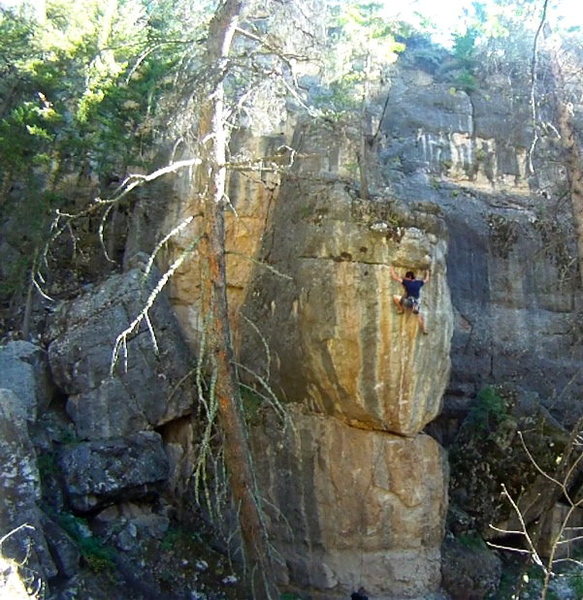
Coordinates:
[360,595]
[411,298]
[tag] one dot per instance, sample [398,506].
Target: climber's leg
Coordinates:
[398,304]
[422,323]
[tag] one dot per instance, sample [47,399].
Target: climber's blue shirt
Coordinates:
[413,286]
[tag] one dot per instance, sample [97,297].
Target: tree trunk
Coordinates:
[210,182]
[365,134]
[573,155]
[574,174]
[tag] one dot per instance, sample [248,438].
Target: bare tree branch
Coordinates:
[533,68]
[121,340]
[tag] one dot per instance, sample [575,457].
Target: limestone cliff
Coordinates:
[348,507]
[454,188]
[353,478]
[311,294]
[512,255]
[512,268]
[325,327]
[335,340]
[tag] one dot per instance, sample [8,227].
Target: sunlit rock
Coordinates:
[324,310]
[20,489]
[315,327]
[348,507]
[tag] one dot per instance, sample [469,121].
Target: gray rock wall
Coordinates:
[20,515]
[117,470]
[143,391]
[25,391]
[78,441]
[511,263]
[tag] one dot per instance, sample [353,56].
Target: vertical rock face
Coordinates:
[246,225]
[20,515]
[350,508]
[366,507]
[512,257]
[138,396]
[327,315]
[23,370]
[310,284]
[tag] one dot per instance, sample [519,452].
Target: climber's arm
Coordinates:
[427,276]
[395,276]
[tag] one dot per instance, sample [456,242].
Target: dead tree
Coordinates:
[209,184]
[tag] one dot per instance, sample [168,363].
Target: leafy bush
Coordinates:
[489,410]
[81,93]
[98,556]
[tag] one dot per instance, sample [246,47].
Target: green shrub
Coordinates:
[489,411]
[179,537]
[472,540]
[97,555]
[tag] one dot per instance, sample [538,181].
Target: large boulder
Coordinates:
[100,472]
[357,496]
[349,507]
[20,490]
[40,546]
[311,292]
[147,387]
[23,369]
[325,309]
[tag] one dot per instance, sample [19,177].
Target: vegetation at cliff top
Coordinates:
[90,91]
